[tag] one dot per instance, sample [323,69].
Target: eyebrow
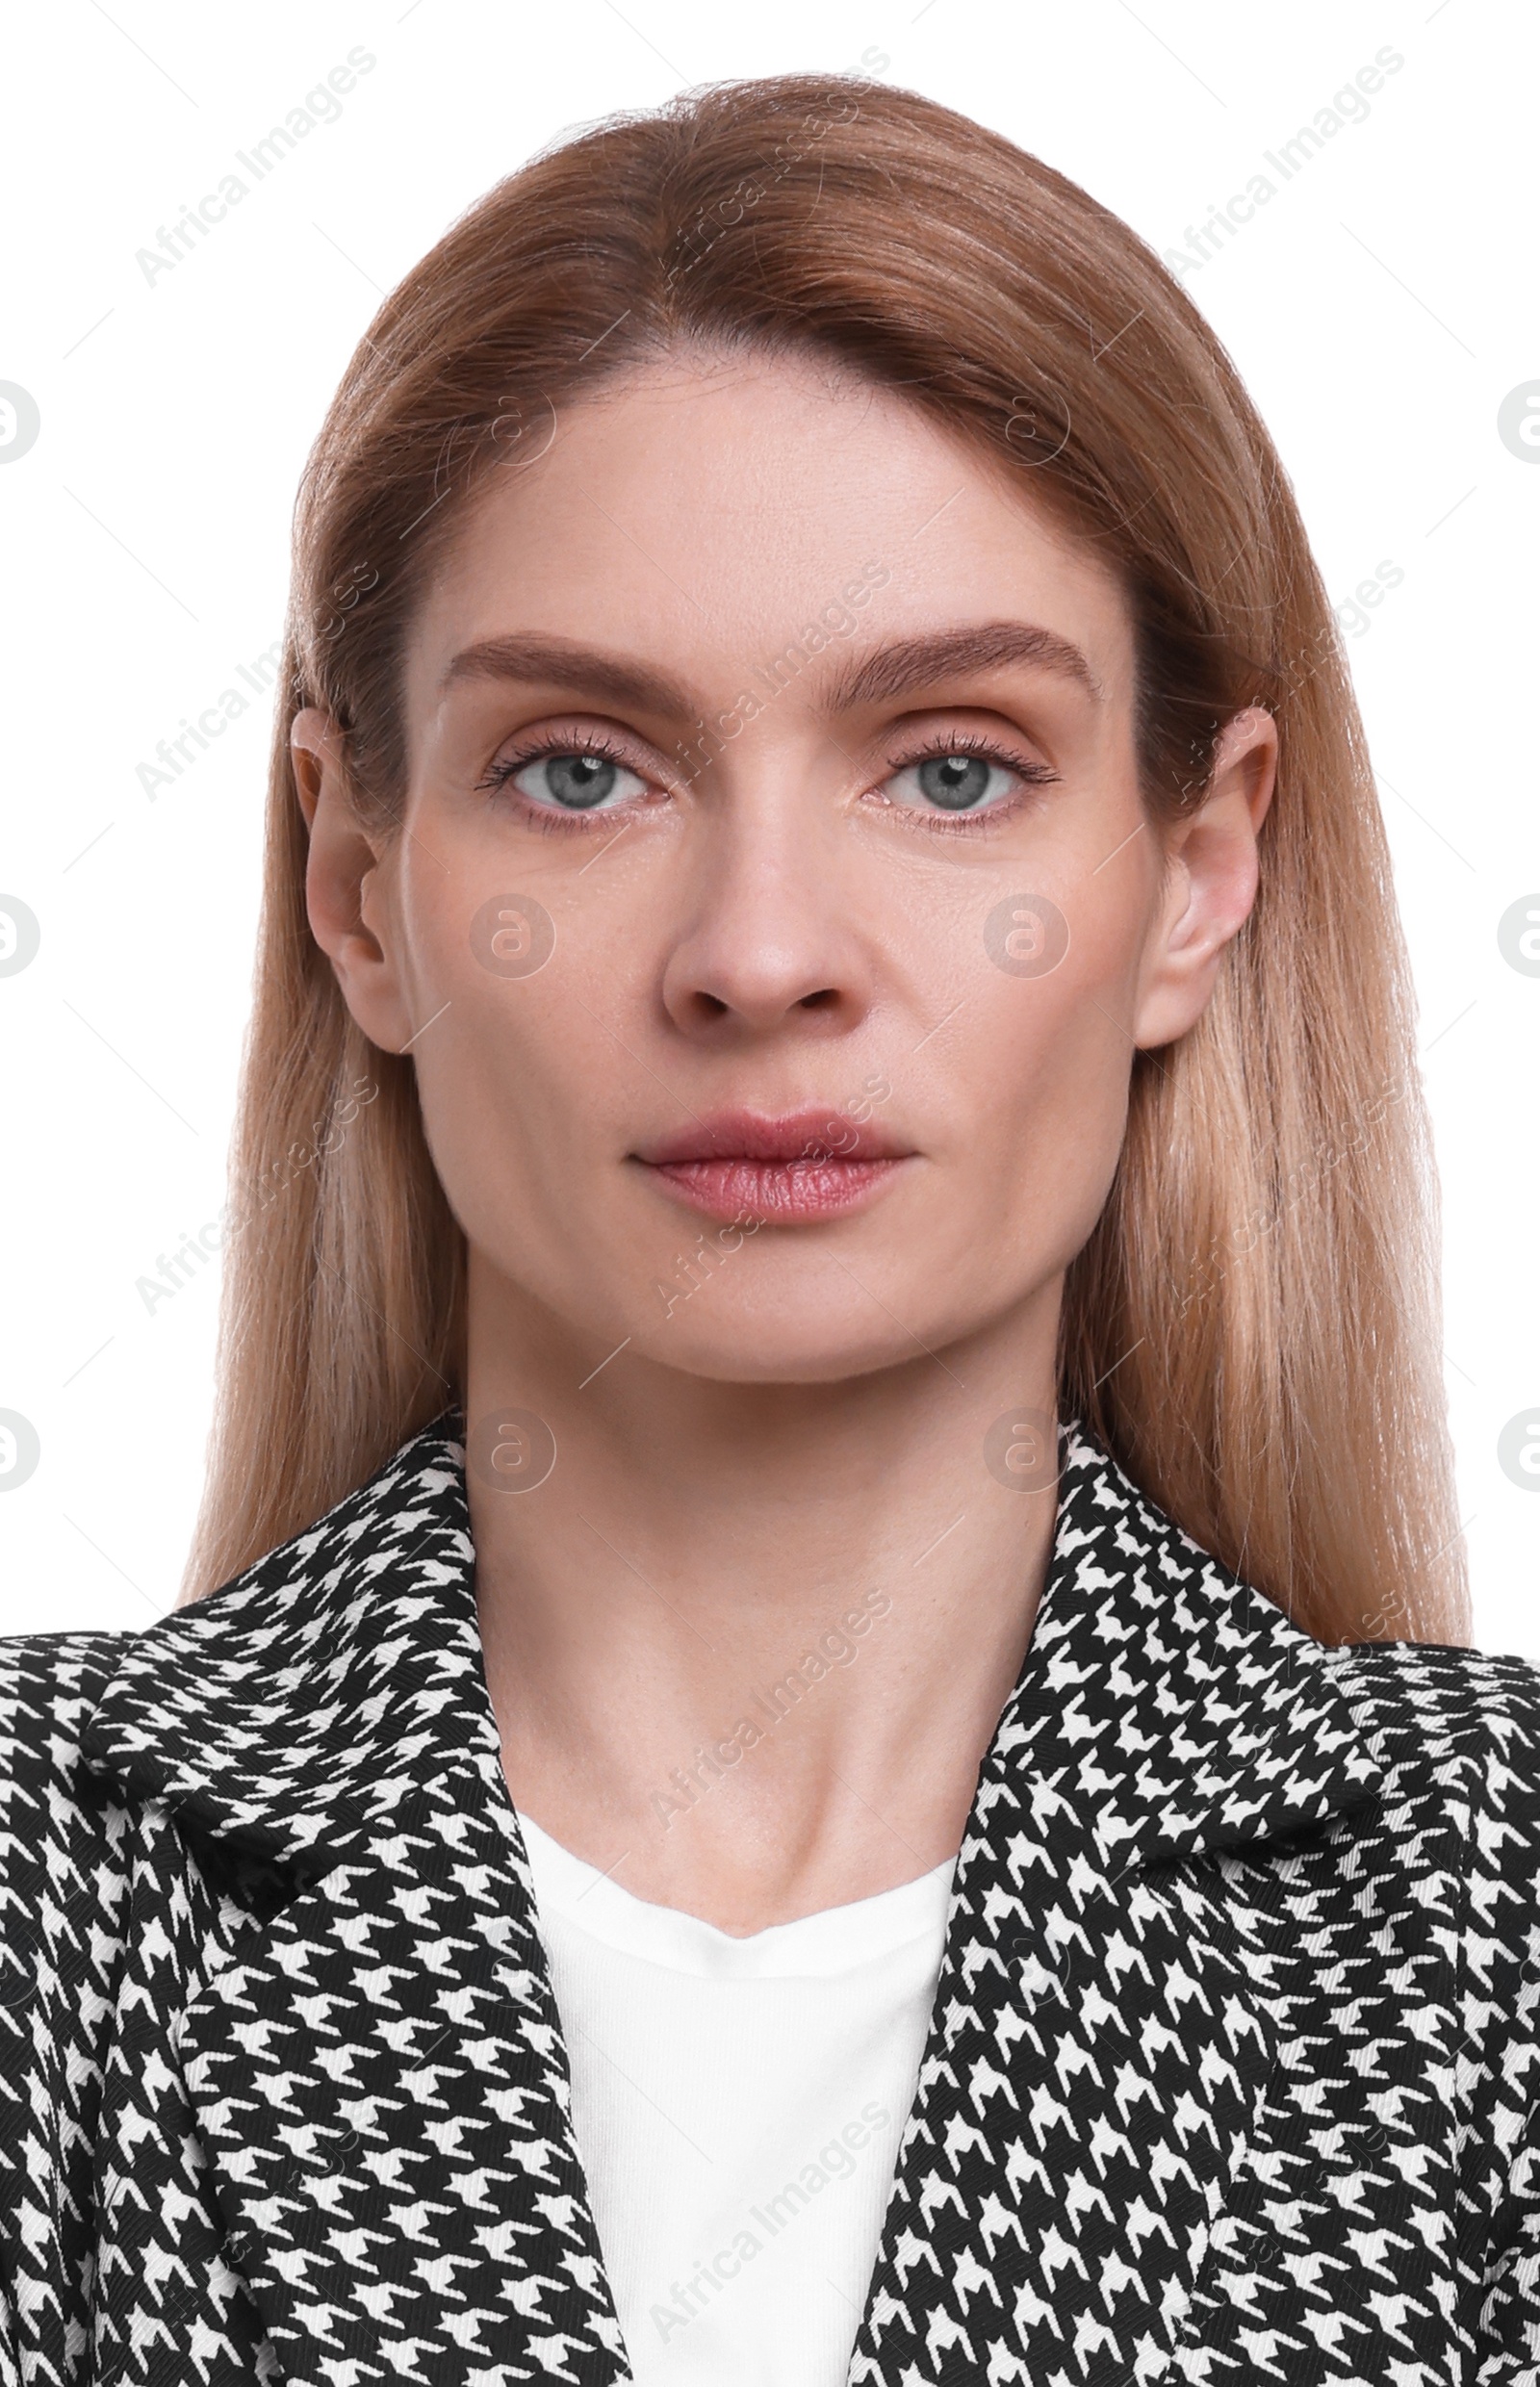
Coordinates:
[988,646]
[569,665]
[897,669]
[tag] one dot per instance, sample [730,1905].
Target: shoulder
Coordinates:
[1447,1702]
[1458,1730]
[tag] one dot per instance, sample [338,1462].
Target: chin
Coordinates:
[782,1351]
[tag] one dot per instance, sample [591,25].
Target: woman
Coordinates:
[817,1728]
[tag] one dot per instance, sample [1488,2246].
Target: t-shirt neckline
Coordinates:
[837,1939]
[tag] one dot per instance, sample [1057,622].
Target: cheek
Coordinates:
[1048,1070]
[1052,1056]
[507,1058]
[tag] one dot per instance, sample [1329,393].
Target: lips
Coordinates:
[741,1165]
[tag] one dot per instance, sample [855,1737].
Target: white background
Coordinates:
[1380,307]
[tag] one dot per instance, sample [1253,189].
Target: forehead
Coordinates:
[710,505]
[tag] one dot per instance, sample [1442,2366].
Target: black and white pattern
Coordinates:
[1231,2075]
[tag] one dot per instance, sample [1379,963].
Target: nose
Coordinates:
[768,937]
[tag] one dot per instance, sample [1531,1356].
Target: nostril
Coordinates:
[820,1000]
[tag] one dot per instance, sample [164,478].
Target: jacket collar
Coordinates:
[1164,1706]
[293,1709]
[376,2075]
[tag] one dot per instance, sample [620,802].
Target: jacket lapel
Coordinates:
[374,2064]
[375,2070]
[1103,2034]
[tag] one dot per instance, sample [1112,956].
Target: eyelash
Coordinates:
[1035,774]
[500,774]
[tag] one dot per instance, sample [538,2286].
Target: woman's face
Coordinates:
[772,761]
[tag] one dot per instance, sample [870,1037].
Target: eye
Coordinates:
[962,774]
[575,777]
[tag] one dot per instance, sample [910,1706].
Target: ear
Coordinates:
[1210,882]
[351,890]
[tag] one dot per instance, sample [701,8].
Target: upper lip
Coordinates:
[819,1133]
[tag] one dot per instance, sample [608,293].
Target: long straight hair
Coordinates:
[1252,1328]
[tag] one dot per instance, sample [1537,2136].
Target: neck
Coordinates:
[747,1644]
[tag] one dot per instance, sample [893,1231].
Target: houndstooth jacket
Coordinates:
[1230,2076]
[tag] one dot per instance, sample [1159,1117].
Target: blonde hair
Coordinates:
[1253,1327]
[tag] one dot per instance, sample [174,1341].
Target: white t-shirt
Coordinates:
[737,2105]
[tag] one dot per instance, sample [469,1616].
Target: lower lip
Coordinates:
[776,1191]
